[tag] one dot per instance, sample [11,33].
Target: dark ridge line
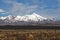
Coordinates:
[29,27]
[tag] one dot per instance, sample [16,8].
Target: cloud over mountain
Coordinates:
[47,8]
[21,9]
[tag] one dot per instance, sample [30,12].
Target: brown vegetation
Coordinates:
[37,34]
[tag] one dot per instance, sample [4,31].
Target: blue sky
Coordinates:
[46,8]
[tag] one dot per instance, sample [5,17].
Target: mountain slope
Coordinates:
[33,17]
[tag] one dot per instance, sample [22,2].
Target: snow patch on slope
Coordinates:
[32,17]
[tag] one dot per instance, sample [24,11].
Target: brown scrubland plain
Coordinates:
[27,34]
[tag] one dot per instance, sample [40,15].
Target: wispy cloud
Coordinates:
[21,9]
[1,11]
[18,8]
[45,8]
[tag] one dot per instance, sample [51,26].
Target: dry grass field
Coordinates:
[33,34]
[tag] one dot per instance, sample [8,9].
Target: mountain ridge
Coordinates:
[26,18]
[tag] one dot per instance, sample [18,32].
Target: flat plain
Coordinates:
[29,34]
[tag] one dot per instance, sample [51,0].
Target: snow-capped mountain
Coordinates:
[33,17]
[27,18]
